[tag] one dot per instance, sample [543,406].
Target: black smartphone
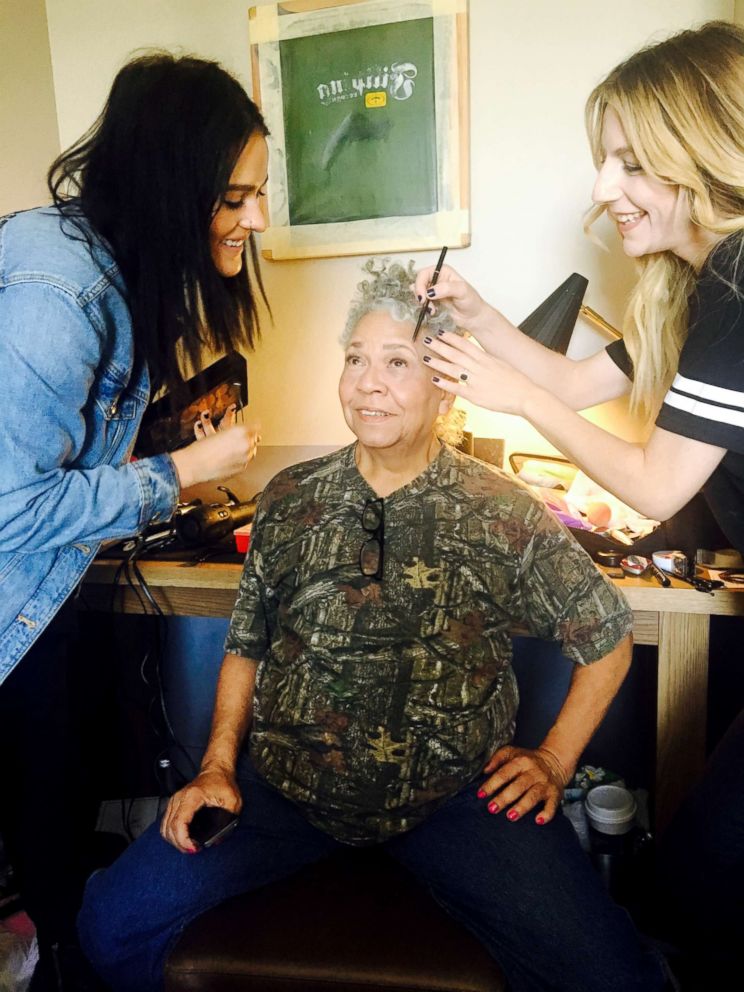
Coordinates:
[211,824]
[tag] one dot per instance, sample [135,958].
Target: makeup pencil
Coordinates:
[434,277]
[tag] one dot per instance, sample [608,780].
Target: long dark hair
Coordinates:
[147,176]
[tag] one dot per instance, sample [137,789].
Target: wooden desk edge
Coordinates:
[210,588]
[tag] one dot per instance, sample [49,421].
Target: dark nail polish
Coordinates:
[427,340]
[427,358]
[419,297]
[440,333]
[430,293]
[435,378]
[206,415]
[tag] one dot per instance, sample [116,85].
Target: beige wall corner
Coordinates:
[29,137]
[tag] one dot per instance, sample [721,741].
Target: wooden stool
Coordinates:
[356,922]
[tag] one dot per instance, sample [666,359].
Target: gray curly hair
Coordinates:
[390,288]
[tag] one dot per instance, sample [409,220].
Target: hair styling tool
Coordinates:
[208,523]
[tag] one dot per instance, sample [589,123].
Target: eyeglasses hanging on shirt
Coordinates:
[372,550]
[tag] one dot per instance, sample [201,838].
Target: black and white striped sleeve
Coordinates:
[706,398]
[705,411]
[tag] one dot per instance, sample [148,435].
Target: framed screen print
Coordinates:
[367,105]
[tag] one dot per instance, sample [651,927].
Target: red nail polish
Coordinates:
[481,794]
[512,815]
[493,807]
[540,820]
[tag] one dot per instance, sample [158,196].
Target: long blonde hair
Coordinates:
[681,105]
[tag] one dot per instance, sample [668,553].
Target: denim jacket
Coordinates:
[73,399]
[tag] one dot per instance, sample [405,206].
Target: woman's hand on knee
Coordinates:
[209,788]
[521,779]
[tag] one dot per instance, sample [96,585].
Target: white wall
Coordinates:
[28,118]
[532,66]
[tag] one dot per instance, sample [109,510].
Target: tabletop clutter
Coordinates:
[582,504]
[596,516]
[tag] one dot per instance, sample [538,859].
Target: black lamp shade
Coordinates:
[552,323]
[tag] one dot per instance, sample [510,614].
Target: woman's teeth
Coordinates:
[373,413]
[629,218]
[232,244]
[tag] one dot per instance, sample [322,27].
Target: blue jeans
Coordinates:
[527,892]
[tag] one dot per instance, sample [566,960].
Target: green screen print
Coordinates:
[359,120]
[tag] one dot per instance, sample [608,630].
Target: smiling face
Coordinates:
[239,211]
[650,215]
[386,392]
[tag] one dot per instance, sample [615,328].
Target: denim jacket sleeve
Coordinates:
[72,407]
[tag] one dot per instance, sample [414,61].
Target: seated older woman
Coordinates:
[368,666]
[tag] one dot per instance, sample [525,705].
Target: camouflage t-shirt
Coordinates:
[377,700]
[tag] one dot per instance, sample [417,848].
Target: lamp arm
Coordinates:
[594,318]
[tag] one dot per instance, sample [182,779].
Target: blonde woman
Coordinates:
[667,134]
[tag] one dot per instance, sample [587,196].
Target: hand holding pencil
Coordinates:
[467,307]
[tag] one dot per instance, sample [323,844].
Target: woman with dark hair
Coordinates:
[136,268]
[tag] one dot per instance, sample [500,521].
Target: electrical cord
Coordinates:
[162,642]
[129,575]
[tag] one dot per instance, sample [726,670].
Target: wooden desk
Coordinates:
[676,619]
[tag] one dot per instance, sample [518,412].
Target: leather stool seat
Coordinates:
[356,922]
